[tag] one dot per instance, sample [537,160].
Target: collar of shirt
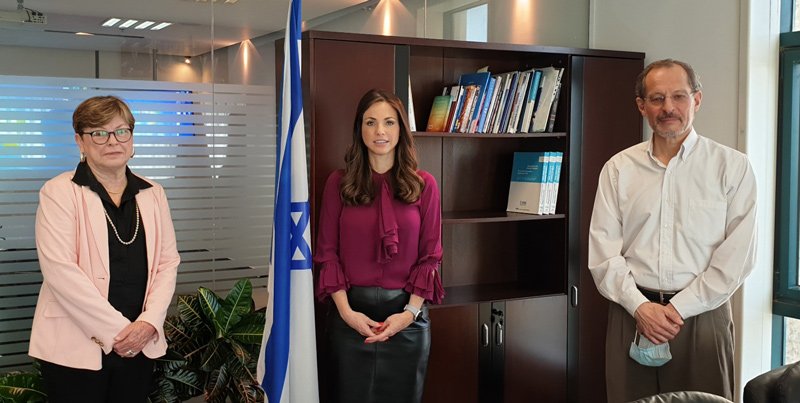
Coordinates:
[84,177]
[686,147]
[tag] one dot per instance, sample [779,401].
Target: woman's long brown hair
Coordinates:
[356,185]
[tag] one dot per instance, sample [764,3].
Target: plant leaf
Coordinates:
[214,355]
[217,385]
[22,387]
[239,298]
[191,312]
[249,330]
[210,305]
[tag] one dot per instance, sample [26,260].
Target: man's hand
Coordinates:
[659,323]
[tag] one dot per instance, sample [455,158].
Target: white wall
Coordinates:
[534,22]
[733,47]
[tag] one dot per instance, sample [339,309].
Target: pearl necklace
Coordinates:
[114,227]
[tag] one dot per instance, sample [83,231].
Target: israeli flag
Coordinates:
[287,367]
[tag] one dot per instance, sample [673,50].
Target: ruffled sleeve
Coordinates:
[331,279]
[326,256]
[424,279]
[426,282]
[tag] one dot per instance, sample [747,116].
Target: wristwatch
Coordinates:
[414,311]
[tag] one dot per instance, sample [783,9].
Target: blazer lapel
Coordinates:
[97,220]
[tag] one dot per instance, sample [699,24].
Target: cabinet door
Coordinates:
[453,364]
[601,138]
[535,342]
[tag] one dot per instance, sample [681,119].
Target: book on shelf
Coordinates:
[513,77]
[530,103]
[486,103]
[412,120]
[467,107]
[457,93]
[439,111]
[551,79]
[497,84]
[551,120]
[528,177]
[554,175]
[519,101]
[481,82]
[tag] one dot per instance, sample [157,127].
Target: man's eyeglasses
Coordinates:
[101,137]
[658,100]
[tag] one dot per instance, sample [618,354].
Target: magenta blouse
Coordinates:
[387,243]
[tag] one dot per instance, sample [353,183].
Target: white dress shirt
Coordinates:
[688,226]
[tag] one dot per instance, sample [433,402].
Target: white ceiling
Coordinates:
[191,33]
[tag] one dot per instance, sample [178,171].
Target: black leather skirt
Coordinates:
[391,371]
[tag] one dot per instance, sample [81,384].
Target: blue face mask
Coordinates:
[646,353]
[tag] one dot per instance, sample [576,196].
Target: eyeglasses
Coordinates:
[680,98]
[101,137]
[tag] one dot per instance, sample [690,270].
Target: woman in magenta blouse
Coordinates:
[378,254]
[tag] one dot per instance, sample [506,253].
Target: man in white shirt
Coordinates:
[672,237]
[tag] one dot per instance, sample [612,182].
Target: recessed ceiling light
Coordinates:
[144,25]
[111,22]
[128,23]
[160,25]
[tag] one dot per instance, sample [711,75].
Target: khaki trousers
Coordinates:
[702,358]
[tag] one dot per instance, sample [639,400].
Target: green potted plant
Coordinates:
[22,386]
[213,348]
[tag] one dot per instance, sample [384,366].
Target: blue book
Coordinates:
[527,179]
[481,80]
[530,104]
[512,91]
[487,101]
[556,160]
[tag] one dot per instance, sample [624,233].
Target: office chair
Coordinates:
[780,385]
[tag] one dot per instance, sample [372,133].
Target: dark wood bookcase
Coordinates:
[522,320]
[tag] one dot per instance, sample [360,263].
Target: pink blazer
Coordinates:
[74,323]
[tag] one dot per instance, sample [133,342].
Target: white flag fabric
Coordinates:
[287,367]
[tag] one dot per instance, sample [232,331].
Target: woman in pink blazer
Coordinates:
[109,260]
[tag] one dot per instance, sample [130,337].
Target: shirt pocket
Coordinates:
[706,221]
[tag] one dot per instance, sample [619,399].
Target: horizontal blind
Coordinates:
[212,147]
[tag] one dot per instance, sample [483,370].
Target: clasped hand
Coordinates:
[377,331]
[132,339]
[659,323]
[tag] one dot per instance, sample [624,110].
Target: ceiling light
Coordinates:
[84,33]
[144,25]
[187,60]
[161,25]
[111,22]
[128,23]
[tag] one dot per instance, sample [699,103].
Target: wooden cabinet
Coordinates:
[515,325]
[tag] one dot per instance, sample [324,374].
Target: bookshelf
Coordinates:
[522,317]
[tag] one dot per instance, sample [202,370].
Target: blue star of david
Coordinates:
[297,242]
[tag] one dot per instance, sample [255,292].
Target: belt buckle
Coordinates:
[661,297]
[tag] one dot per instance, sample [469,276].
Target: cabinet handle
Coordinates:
[485,334]
[574,290]
[498,333]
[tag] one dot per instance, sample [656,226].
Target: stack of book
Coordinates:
[512,102]
[534,182]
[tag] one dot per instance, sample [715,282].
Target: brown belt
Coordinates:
[661,297]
